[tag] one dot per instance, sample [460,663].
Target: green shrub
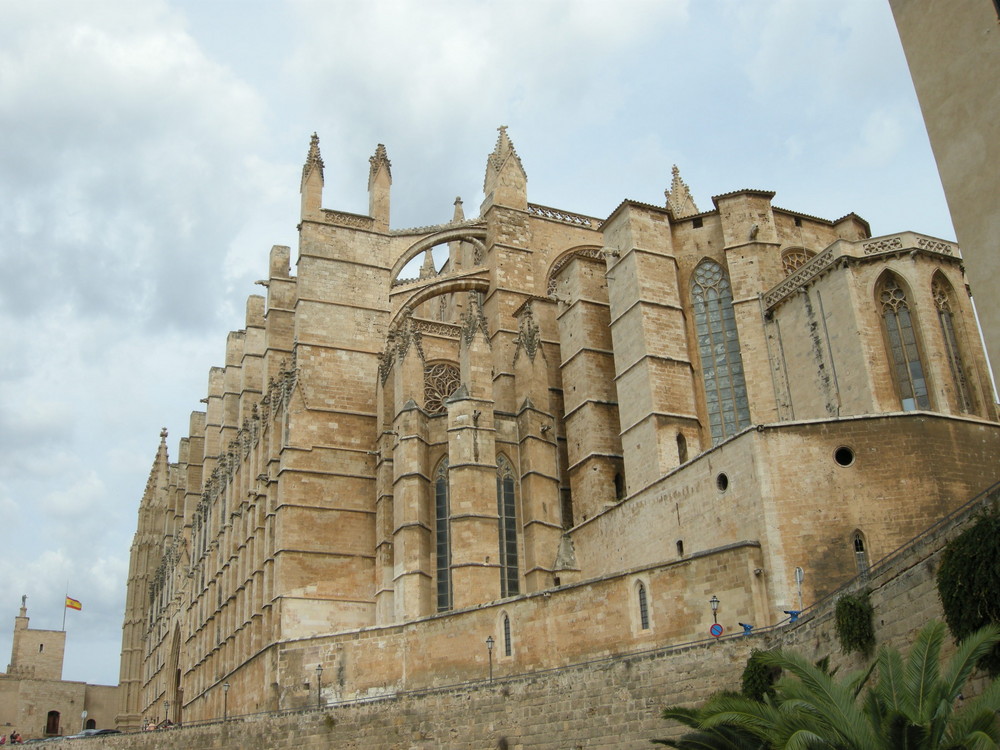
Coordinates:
[855,629]
[758,678]
[968,582]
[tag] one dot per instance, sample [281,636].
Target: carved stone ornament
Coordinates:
[529,337]
[475,320]
[441,380]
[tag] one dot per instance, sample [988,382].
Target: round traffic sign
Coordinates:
[715,630]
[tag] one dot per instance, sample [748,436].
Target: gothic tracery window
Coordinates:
[907,369]
[507,514]
[793,259]
[442,541]
[719,345]
[440,381]
[943,301]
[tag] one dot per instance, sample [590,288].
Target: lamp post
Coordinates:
[319,682]
[714,601]
[489,650]
[225,701]
[166,710]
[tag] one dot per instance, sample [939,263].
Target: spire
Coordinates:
[506,182]
[314,162]
[427,269]
[459,214]
[378,162]
[679,199]
[311,186]
[379,185]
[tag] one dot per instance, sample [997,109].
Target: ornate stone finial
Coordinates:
[163,433]
[313,160]
[679,199]
[503,152]
[379,161]
[459,214]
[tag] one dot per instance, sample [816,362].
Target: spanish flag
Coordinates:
[73,604]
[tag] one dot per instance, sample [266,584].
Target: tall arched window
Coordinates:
[643,606]
[508,647]
[719,346]
[944,302]
[507,515]
[442,541]
[907,369]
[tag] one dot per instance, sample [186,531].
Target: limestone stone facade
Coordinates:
[563,433]
[952,50]
[34,698]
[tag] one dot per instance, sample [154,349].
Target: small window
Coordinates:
[680,548]
[52,723]
[643,607]
[41,647]
[619,486]
[682,448]
[696,223]
[722,481]
[860,552]
[844,456]
[798,221]
[507,650]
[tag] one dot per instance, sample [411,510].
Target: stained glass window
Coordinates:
[941,290]
[719,346]
[907,369]
[507,514]
[442,542]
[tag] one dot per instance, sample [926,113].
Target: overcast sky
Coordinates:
[150,155]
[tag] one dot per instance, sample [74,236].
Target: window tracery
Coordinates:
[907,369]
[719,346]
[794,258]
[441,380]
[940,290]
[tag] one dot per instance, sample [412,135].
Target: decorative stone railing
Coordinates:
[344,219]
[564,216]
[904,242]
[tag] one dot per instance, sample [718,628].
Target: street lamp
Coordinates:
[319,682]
[714,601]
[166,710]
[489,650]
[225,701]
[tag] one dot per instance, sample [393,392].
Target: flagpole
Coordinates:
[64,605]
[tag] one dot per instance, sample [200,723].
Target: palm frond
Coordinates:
[890,688]
[969,652]
[922,672]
